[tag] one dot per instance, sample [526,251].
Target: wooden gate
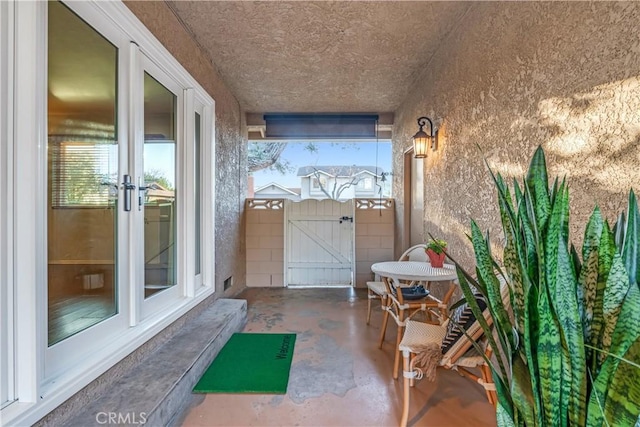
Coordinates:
[319,243]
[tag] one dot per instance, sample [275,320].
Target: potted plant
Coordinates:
[436,251]
[567,345]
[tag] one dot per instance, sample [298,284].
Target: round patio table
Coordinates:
[415,271]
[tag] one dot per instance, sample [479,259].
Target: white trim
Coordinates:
[315,172]
[134,152]
[287,206]
[7,284]
[373,175]
[354,276]
[262,129]
[189,197]
[29,130]
[208,190]
[274,184]
[320,140]
[199,107]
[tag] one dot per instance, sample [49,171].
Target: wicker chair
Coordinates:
[377,290]
[461,356]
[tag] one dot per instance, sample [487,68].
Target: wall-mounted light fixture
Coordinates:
[422,141]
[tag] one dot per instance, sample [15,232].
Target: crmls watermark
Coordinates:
[139,418]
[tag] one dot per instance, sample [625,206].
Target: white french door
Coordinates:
[106,236]
[128,140]
[115,222]
[87,226]
[159,208]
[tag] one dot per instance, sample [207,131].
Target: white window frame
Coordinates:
[38,388]
[7,285]
[196,104]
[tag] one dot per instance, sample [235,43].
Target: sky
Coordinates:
[328,154]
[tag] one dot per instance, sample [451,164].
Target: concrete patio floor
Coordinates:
[338,377]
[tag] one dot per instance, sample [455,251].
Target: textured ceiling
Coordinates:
[322,56]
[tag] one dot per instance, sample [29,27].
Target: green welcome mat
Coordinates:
[250,363]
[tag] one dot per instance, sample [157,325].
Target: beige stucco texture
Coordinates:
[512,76]
[319,56]
[230,138]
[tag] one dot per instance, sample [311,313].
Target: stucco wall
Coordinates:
[231,146]
[512,76]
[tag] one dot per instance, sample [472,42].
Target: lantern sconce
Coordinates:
[422,141]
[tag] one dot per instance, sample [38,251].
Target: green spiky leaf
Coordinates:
[588,278]
[631,246]
[615,292]
[548,353]
[486,275]
[537,183]
[613,395]
[562,284]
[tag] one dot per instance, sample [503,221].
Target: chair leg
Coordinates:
[406,390]
[369,297]
[385,319]
[412,382]
[396,360]
[487,378]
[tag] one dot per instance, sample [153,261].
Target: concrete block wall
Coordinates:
[374,228]
[265,242]
[374,239]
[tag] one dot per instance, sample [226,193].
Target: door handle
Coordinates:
[142,190]
[128,187]
[346,218]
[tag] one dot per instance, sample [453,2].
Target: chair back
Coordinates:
[415,253]
[474,331]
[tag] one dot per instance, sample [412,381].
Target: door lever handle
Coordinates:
[128,187]
[142,189]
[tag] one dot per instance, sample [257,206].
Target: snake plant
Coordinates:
[568,344]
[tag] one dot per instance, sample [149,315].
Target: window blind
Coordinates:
[80,174]
[293,126]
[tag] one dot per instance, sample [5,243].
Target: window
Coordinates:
[160,222]
[198,195]
[365,184]
[319,183]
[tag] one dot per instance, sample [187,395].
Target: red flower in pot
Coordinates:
[436,251]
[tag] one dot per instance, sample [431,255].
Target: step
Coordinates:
[157,390]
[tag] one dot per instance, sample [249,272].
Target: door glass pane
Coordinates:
[160,180]
[198,195]
[82,175]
